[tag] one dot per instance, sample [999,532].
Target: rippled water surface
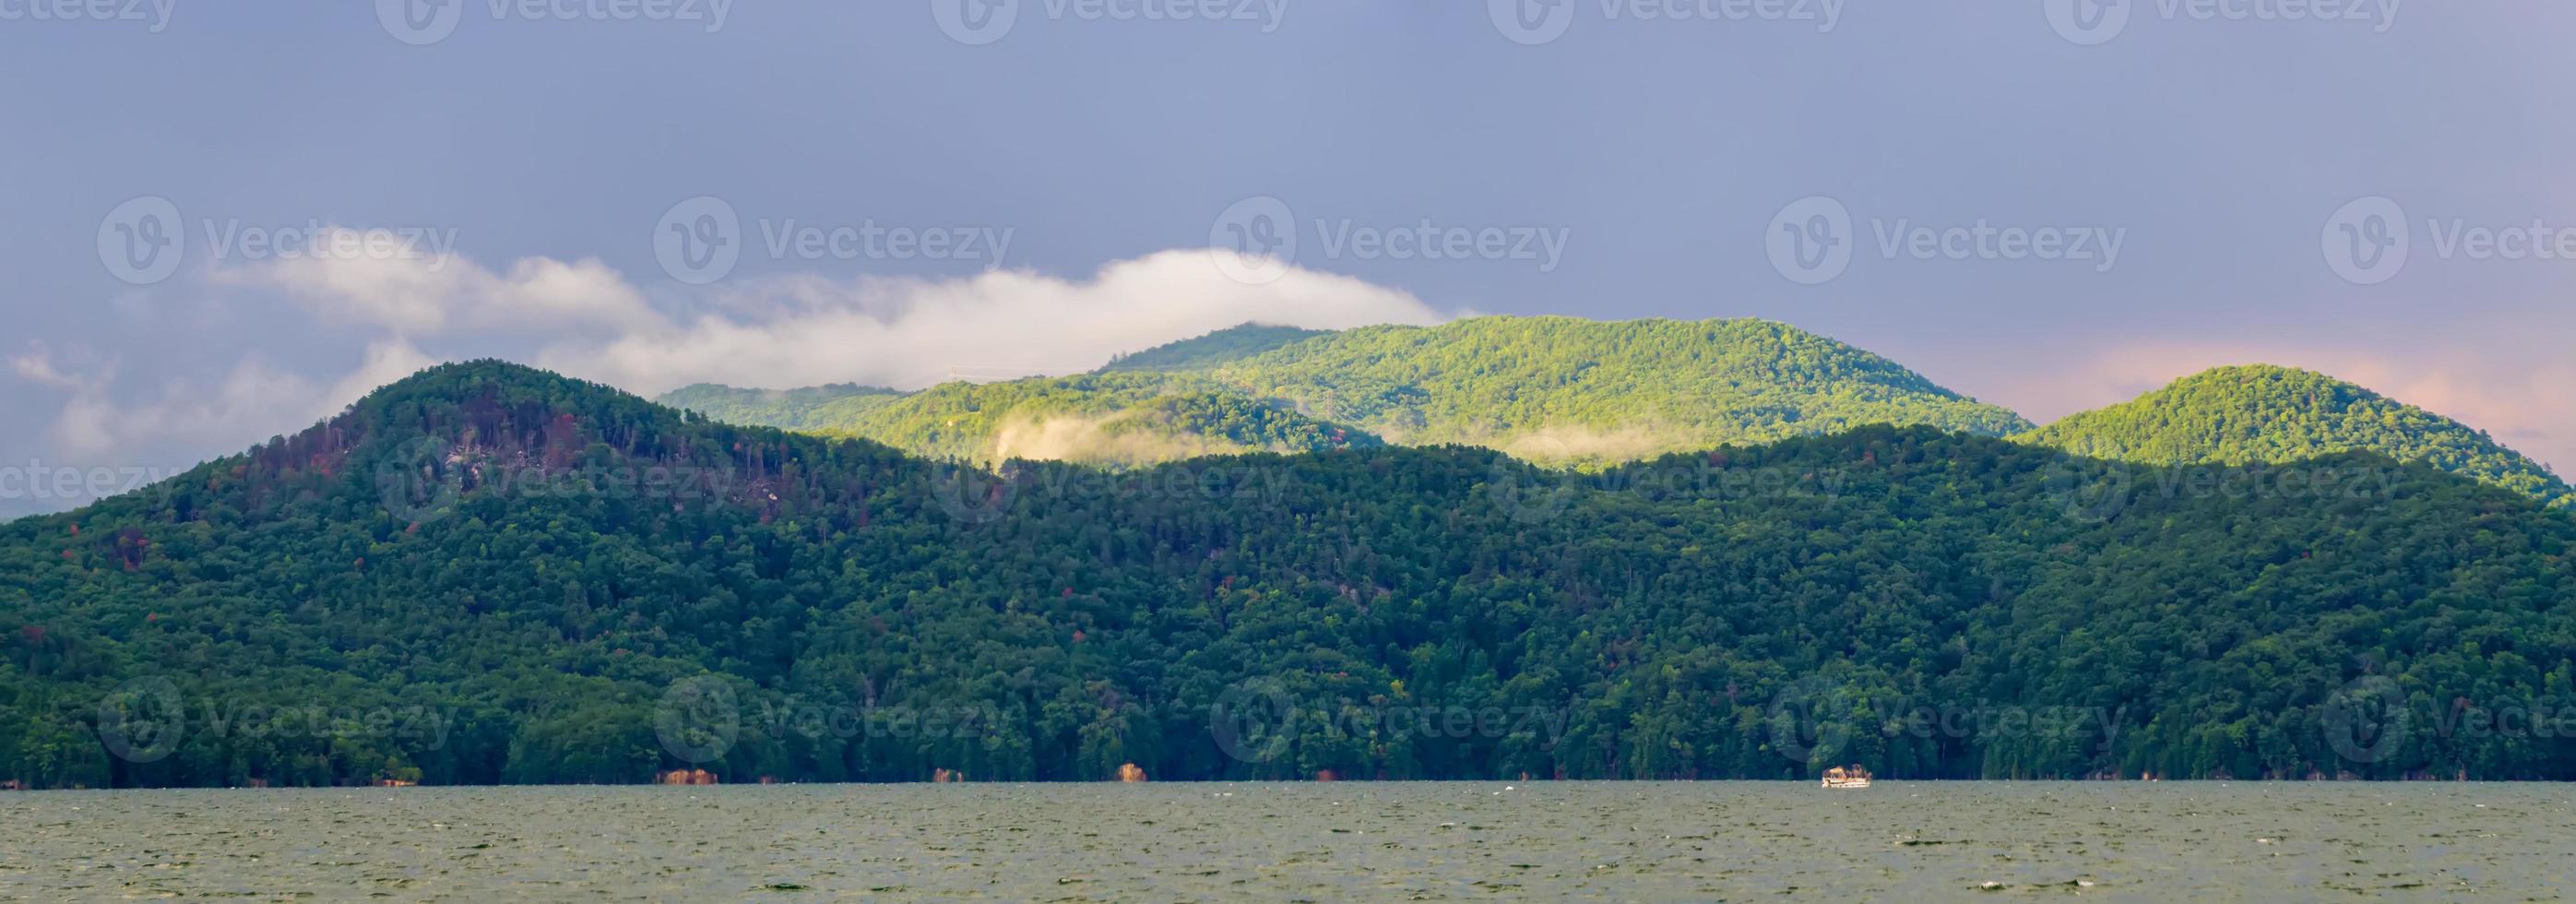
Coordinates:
[1322,842]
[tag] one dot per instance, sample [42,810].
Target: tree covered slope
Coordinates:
[492,574]
[2242,415]
[1220,347]
[815,408]
[1633,387]
[1555,390]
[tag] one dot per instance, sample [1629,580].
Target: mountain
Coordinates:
[1556,390]
[486,573]
[2244,415]
[1617,390]
[1220,347]
[813,408]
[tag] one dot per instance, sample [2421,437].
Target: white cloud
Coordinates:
[188,420]
[37,365]
[433,295]
[910,332]
[589,321]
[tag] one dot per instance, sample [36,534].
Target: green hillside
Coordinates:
[1629,388]
[809,409]
[2242,415]
[1220,347]
[1550,389]
[486,573]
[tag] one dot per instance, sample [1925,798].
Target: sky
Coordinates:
[221,222]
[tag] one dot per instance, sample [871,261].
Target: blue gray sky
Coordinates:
[788,192]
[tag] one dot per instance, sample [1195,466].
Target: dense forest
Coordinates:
[487,573]
[1555,390]
[1566,392]
[2242,415]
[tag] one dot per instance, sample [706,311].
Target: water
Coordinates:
[1320,842]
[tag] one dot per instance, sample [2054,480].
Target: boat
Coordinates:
[1853,777]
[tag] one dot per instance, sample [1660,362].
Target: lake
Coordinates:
[1321,842]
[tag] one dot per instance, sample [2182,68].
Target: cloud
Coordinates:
[189,420]
[806,330]
[2530,408]
[909,332]
[586,320]
[37,366]
[426,295]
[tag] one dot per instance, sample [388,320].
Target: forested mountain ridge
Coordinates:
[1555,390]
[1226,345]
[811,409]
[1564,391]
[544,580]
[2242,415]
